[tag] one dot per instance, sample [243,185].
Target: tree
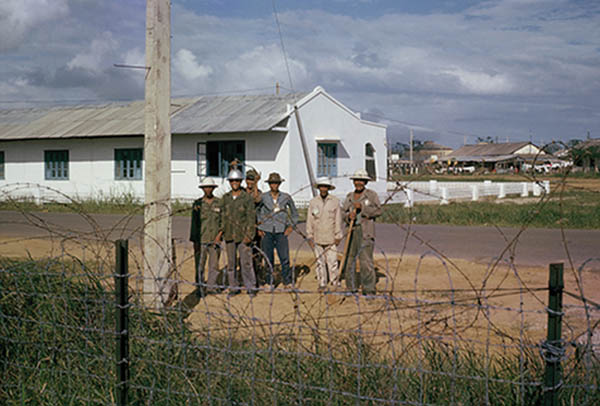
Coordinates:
[488,139]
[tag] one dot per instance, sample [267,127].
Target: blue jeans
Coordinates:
[279,241]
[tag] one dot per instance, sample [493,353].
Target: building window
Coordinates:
[1,164]
[370,161]
[214,157]
[128,163]
[326,159]
[56,165]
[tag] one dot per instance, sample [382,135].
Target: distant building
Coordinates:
[95,151]
[430,152]
[498,157]
[586,154]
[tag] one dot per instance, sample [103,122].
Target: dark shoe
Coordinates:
[322,289]
[232,293]
[252,293]
[200,293]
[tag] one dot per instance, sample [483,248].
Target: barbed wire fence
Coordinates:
[75,327]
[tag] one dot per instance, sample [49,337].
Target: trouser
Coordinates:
[202,253]
[245,252]
[279,241]
[361,248]
[327,261]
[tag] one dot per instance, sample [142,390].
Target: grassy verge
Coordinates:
[56,348]
[575,210]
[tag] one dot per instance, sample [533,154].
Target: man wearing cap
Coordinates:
[238,223]
[204,233]
[277,216]
[363,206]
[252,178]
[324,231]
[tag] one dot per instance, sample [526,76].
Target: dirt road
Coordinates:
[532,247]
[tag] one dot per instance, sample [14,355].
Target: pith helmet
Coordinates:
[274,177]
[235,174]
[361,174]
[325,182]
[207,182]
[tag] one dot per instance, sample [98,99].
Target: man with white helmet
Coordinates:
[360,208]
[324,231]
[205,234]
[238,224]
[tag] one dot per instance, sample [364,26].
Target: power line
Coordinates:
[287,66]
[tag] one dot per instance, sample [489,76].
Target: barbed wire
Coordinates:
[438,330]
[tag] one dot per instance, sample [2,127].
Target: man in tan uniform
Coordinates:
[324,231]
[204,233]
[361,205]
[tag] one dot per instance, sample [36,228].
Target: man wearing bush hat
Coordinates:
[277,216]
[238,225]
[360,208]
[204,233]
[324,231]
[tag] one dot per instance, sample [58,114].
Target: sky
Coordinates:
[453,71]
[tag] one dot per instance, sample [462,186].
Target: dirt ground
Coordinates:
[493,306]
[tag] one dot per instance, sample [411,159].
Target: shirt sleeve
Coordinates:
[293,212]
[250,218]
[309,222]
[346,208]
[338,223]
[195,226]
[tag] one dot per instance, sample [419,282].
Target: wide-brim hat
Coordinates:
[325,182]
[251,174]
[274,177]
[361,174]
[207,182]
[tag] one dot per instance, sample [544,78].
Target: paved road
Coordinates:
[481,244]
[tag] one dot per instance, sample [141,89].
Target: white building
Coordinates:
[97,151]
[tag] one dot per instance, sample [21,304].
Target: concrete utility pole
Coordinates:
[157,153]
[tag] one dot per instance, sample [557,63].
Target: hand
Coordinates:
[357,206]
[311,243]
[261,233]
[352,215]
[218,239]
[246,240]
[337,241]
[288,231]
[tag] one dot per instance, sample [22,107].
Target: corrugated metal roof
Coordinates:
[206,114]
[483,158]
[507,148]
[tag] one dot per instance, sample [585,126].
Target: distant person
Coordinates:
[252,178]
[238,225]
[360,208]
[204,233]
[276,220]
[324,231]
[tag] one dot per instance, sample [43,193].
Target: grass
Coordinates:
[580,210]
[57,347]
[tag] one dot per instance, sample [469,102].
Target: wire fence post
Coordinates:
[552,349]
[122,320]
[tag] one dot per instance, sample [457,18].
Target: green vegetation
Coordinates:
[57,348]
[574,210]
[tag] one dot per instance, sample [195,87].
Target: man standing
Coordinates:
[238,223]
[204,233]
[360,209]
[324,230]
[276,219]
[252,178]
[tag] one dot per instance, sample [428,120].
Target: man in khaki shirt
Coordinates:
[324,230]
[361,205]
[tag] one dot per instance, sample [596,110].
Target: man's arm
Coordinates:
[195,223]
[338,233]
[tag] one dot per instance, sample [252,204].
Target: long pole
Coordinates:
[311,175]
[157,153]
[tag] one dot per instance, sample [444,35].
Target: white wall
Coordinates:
[323,118]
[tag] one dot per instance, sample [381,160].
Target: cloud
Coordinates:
[98,56]
[186,64]
[19,17]
[481,82]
